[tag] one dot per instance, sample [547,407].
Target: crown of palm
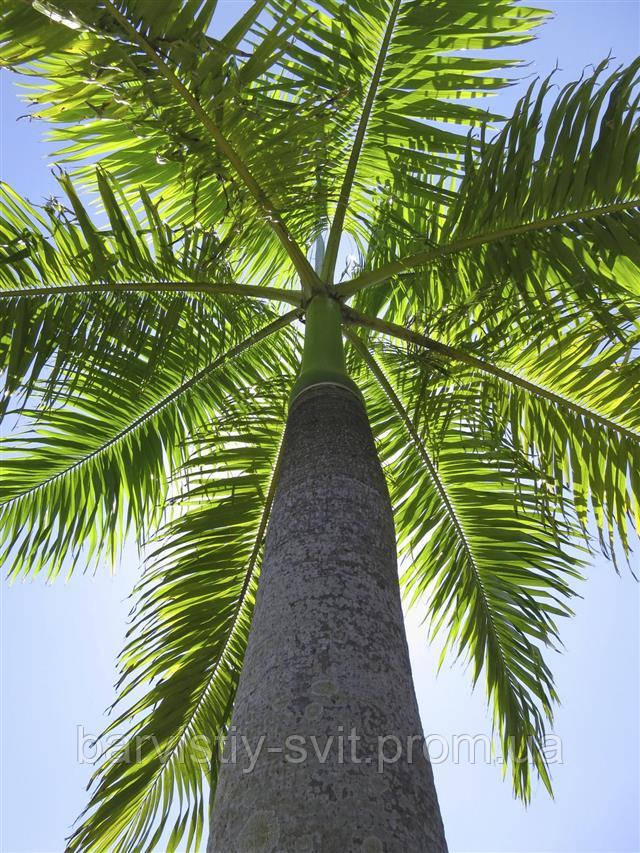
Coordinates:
[492,326]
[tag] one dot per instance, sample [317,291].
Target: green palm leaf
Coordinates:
[566,402]
[495,576]
[97,465]
[75,294]
[406,82]
[190,625]
[111,378]
[545,214]
[155,71]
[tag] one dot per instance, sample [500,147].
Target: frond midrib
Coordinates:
[159,285]
[509,375]
[350,288]
[335,232]
[389,391]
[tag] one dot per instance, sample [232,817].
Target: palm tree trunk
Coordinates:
[325,729]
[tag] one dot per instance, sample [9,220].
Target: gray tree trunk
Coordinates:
[325,693]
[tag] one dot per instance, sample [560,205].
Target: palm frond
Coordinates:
[403,77]
[266,207]
[495,576]
[158,101]
[74,294]
[190,625]
[96,466]
[545,211]
[567,402]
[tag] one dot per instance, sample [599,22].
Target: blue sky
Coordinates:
[59,642]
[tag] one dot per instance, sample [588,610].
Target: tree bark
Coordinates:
[327,667]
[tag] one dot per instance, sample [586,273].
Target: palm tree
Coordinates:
[484,414]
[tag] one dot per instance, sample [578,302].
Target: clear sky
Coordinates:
[59,642]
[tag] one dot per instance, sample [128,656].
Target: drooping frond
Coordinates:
[495,576]
[96,466]
[191,619]
[547,213]
[568,402]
